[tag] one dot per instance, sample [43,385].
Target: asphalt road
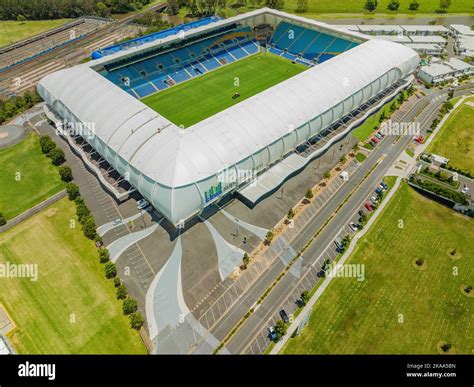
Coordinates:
[422,112]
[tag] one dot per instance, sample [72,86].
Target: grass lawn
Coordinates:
[194,100]
[363,131]
[71,286]
[14,31]
[456,138]
[400,308]
[356,7]
[38,178]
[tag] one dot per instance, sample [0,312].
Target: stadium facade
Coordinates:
[182,171]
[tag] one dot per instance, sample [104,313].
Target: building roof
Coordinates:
[462,29]
[4,350]
[424,28]
[452,65]
[380,28]
[427,39]
[176,157]
[425,46]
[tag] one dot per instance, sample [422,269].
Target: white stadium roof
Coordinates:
[176,157]
[172,167]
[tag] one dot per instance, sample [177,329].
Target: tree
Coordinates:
[173,7]
[89,227]
[269,236]
[72,191]
[275,4]
[66,173]
[46,144]
[393,5]
[327,174]
[136,320]
[304,297]
[301,6]
[246,259]
[291,214]
[3,221]
[309,194]
[57,156]
[280,329]
[129,306]
[444,5]
[104,255]
[121,292]
[342,160]
[117,282]
[371,5]
[21,18]
[110,270]
[414,5]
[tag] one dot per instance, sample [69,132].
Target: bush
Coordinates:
[136,320]
[57,156]
[110,270]
[3,221]
[129,306]
[327,174]
[121,292]
[82,211]
[89,227]
[66,173]
[47,145]
[447,193]
[117,282]
[309,194]
[269,236]
[104,255]
[414,5]
[393,5]
[72,191]
[280,329]
[291,214]
[246,259]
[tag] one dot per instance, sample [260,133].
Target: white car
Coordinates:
[142,203]
[373,199]
[465,189]
[353,226]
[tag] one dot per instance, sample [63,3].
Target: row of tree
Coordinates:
[13,106]
[57,9]
[393,5]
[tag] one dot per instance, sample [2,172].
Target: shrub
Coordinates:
[327,174]
[121,292]
[117,282]
[3,221]
[280,329]
[57,156]
[82,211]
[136,320]
[110,270]
[291,214]
[413,5]
[129,306]
[47,145]
[72,191]
[370,5]
[246,259]
[89,227]
[309,194]
[269,236]
[393,5]
[304,297]
[104,255]
[66,173]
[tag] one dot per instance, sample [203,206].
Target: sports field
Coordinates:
[194,100]
[456,138]
[400,308]
[27,177]
[14,31]
[71,308]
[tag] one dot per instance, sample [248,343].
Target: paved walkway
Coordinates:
[103,229]
[117,247]
[258,231]
[307,309]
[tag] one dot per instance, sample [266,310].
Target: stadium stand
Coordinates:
[193,57]
[30,48]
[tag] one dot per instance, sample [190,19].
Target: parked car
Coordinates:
[375,139]
[353,226]
[284,316]
[385,186]
[339,246]
[372,143]
[381,134]
[378,189]
[368,206]
[465,189]
[420,139]
[378,135]
[373,199]
[117,221]
[271,333]
[361,213]
[142,203]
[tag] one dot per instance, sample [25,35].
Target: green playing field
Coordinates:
[201,97]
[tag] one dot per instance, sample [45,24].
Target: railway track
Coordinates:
[26,75]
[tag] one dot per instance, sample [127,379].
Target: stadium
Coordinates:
[220,107]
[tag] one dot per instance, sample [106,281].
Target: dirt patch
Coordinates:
[4,134]
[469,103]
[445,351]
[467,290]
[51,212]
[453,254]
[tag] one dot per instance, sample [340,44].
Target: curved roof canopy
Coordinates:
[175,157]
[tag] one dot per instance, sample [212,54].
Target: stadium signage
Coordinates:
[213,192]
